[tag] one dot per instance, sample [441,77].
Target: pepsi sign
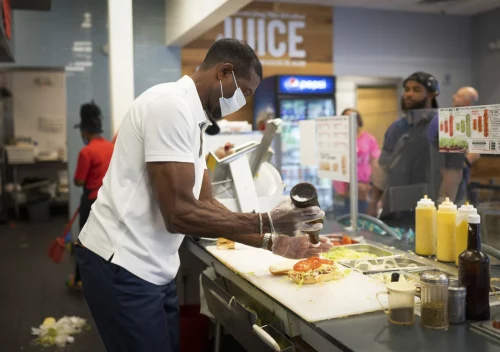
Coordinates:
[306,85]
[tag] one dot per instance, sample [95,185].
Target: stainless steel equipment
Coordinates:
[254,326]
[379,265]
[368,248]
[456,304]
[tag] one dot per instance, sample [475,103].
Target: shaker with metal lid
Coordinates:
[456,303]
[305,195]
[434,299]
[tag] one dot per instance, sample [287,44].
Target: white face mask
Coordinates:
[233,104]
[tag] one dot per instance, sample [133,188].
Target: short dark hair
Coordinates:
[359,118]
[235,52]
[90,118]
[88,110]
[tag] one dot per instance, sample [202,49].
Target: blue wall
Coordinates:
[486,62]
[46,39]
[382,43]
[154,63]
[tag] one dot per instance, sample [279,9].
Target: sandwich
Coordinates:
[223,243]
[313,271]
[283,267]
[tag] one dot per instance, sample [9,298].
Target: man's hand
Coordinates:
[299,247]
[287,219]
[226,150]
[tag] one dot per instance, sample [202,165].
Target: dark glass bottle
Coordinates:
[474,273]
[305,195]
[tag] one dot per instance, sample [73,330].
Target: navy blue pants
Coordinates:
[132,315]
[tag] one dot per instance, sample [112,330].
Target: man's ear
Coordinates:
[224,70]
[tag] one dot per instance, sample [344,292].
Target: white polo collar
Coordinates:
[187,83]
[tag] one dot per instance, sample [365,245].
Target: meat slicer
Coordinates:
[247,181]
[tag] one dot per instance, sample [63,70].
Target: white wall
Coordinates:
[39,108]
[396,44]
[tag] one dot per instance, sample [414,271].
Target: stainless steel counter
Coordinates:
[367,332]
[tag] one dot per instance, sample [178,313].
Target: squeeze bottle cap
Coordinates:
[425,202]
[474,219]
[447,205]
[467,209]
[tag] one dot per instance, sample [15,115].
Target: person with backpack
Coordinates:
[410,165]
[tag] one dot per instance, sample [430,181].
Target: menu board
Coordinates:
[332,134]
[474,129]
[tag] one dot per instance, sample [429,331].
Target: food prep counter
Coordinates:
[231,294]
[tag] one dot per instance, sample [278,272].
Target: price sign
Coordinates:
[333,147]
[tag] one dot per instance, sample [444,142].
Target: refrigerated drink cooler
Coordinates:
[296,98]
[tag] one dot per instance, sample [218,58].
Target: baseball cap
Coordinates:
[428,81]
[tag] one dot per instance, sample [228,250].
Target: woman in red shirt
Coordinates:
[93,162]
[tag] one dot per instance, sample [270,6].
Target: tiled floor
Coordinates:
[32,288]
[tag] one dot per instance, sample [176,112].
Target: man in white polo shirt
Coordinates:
[156,190]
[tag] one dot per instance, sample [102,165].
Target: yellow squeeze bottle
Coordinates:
[463,228]
[446,230]
[425,227]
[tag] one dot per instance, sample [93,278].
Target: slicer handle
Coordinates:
[264,336]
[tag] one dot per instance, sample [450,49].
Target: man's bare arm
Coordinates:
[451,179]
[172,185]
[379,179]
[206,194]
[472,158]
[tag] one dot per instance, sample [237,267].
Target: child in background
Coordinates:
[368,153]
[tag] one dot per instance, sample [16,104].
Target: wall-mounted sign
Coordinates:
[288,38]
[474,129]
[277,37]
[332,134]
[306,85]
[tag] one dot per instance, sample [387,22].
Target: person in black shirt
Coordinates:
[410,164]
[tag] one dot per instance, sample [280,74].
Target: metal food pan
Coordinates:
[370,248]
[387,276]
[371,266]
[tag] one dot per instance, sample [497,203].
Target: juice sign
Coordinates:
[276,37]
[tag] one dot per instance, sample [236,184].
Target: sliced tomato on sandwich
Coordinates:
[321,260]
[306,265]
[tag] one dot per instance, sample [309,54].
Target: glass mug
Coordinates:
[401,302]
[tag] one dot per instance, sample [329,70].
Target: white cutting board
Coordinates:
[352,295]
